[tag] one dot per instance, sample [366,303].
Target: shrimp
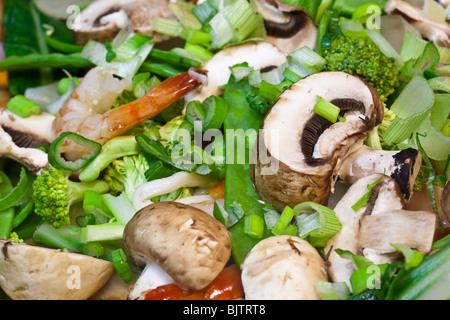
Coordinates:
[88,111]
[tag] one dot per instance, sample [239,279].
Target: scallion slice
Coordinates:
[284,221]
[412,46]
[93,249]
[305,61]
[365,198]
[23,107]
[325,226]
[131,47]
[326,110]
[168,27]
[120,261]
[254,226]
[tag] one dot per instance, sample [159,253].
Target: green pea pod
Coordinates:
[55,155]
[17,193]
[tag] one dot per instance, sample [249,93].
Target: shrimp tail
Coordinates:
[121,119]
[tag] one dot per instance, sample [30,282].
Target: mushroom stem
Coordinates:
[151,277]
[403,166]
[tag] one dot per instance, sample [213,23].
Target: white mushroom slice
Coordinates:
[370,230]
[282,268]
[258,55]
[306,146]
[33,159]
[403,166]
[32,131]
[36,273]
[288,27]
[103,19]
[187,243]
[437,32]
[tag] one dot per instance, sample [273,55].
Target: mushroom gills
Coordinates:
[317,125]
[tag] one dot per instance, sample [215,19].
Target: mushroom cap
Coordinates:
[103,19]
[282,267]
[306,151]
[36,273]
[191,246]
[258,55]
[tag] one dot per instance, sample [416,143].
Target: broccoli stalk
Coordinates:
[375,137]
[361,57]
[54,194]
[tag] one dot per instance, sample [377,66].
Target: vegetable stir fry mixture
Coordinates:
[225,149]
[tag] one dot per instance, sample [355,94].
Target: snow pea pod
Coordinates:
[240,194]
[38,61]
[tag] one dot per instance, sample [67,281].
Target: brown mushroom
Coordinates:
[308,147]
[37,273]
[370,230]
[103,19]
[288,27]
[282,267]
[190,246]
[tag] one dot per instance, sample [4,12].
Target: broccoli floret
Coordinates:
[14,237]
[126,173]
[54,194]
[361,57]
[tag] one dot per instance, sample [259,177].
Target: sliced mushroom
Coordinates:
[103,19]
[282,268]
[306,146]
[260,55]
[28,132]
[288,27]
[437,32]
[36,273]
[33,159]
[403,166]
[370,230]
[187,243]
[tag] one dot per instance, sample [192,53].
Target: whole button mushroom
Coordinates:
[191,246]
[306,147]
[282,267]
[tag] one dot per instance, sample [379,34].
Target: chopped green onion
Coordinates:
[324,6]
[55,156]
[174,58]
[131,47]
[23,107]
[94,205]
[440,84]
[324,222]
[363,200]
[204,12]
[198,51]
[17,192]
[85,220]
[110,53]
[183,11]
[197,37]
[168,27]
[242,17]
[102,232]
[284,221]
[227,219]
[93,249]
[123,269]
[120,206]
[326,110]
[411,107]
[412,46]
[221,30]
[211,113]
[412,257]
[428,60]
[161,69]
[254,226]
[305,61]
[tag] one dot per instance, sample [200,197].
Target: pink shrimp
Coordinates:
[88,111]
